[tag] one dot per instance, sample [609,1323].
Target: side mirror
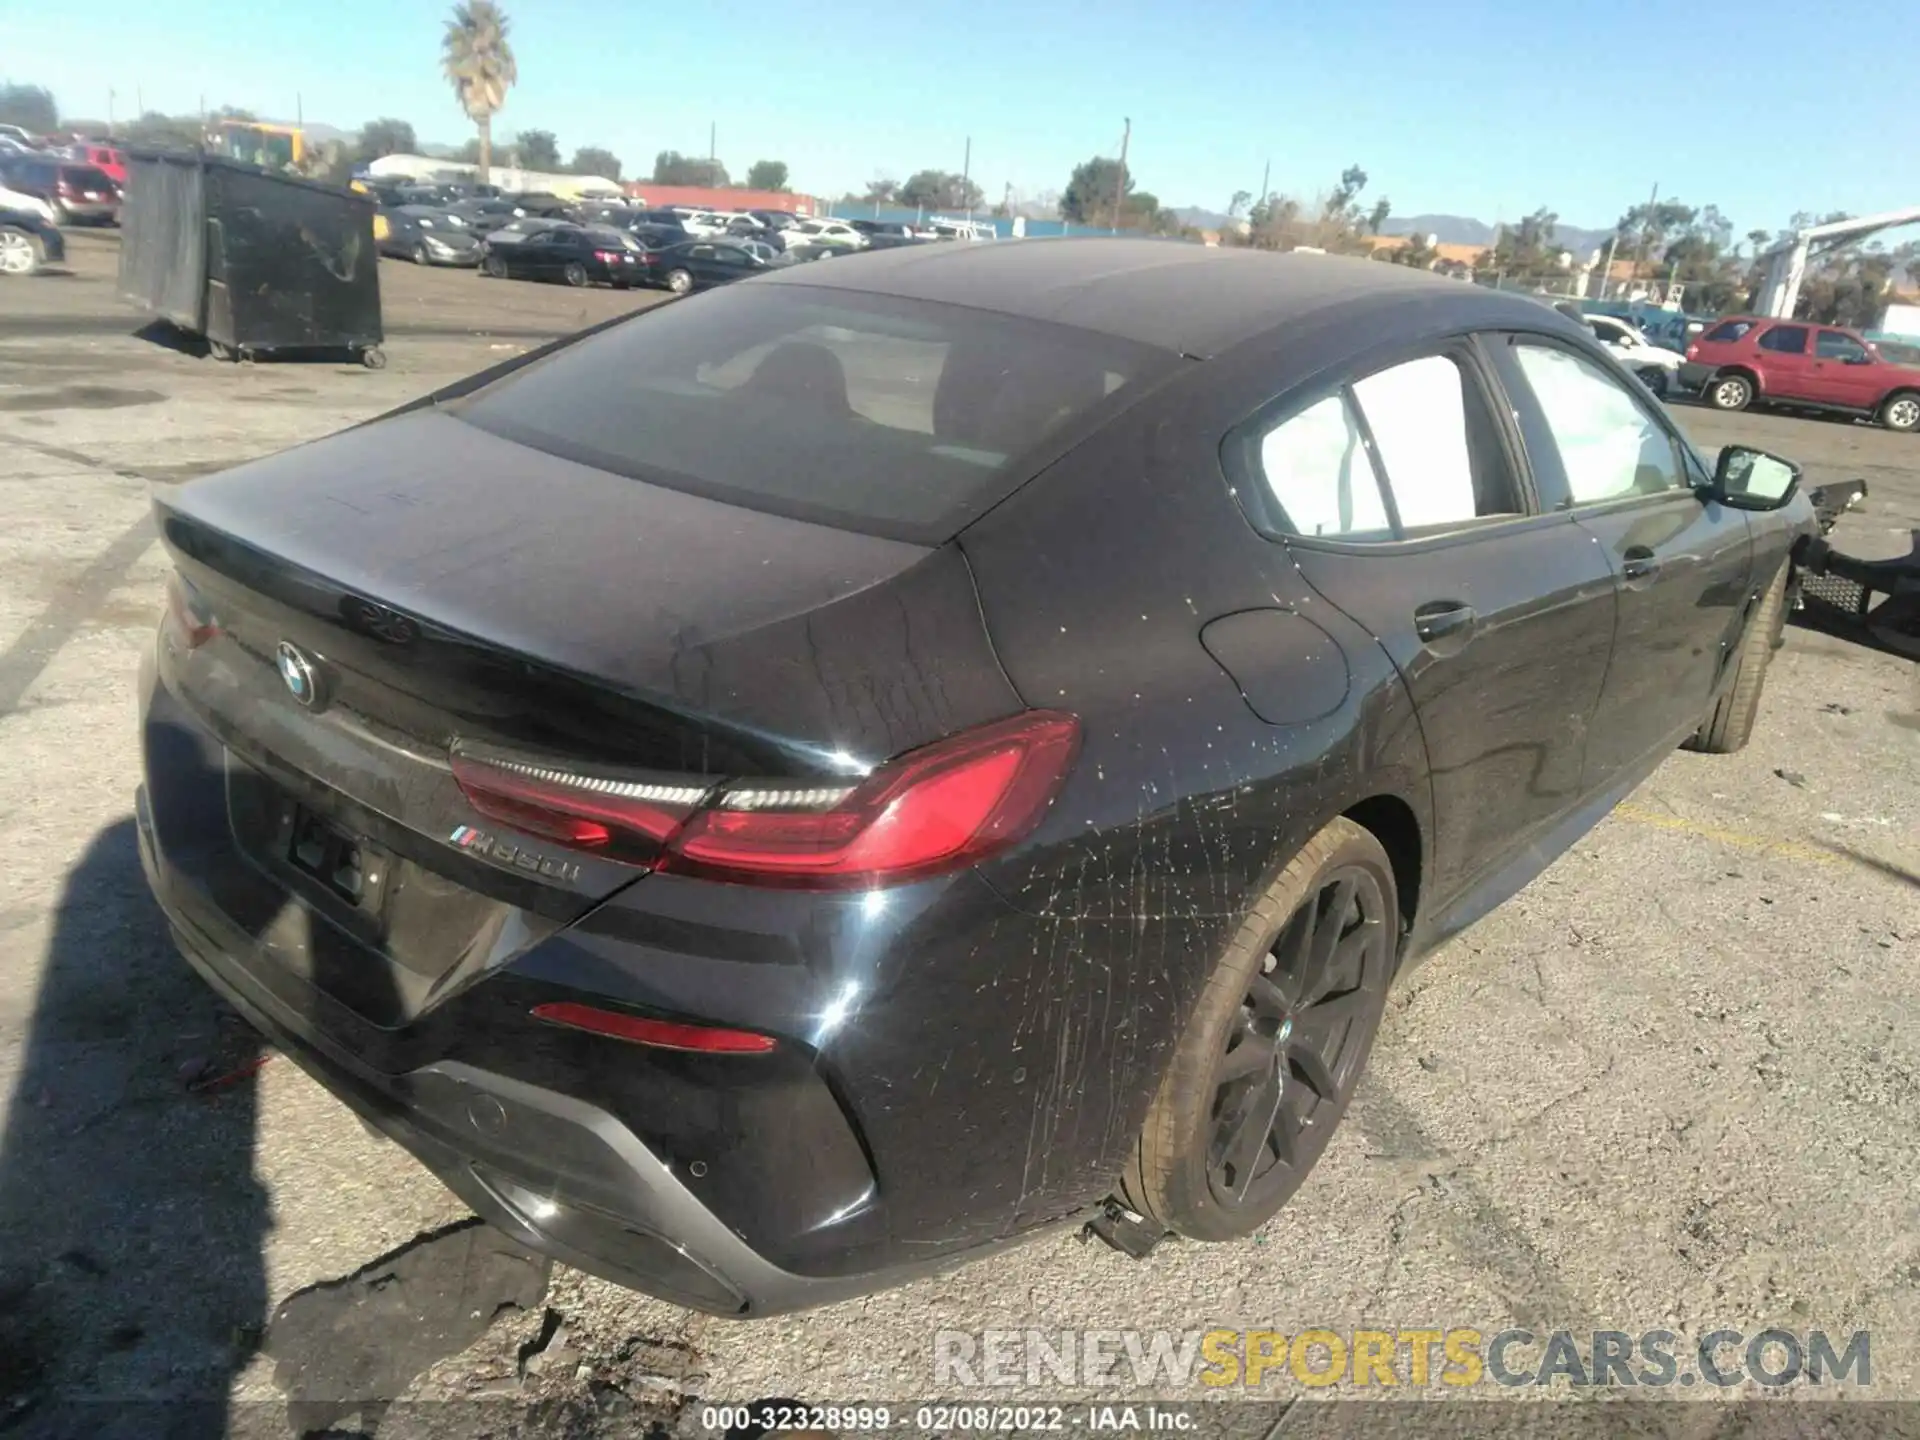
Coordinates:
[1747,479]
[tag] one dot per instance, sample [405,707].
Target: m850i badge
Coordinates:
[514,857]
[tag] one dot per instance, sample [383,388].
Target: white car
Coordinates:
[32,204]
[826,235]
[708,223]
[1657,366]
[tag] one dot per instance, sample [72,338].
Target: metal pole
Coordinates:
[299,112]
[966,179]
[1646,232]
[1120,180]
[1606,271]
[109,112]
[713,169]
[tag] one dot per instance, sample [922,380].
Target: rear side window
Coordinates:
[1406,451]
[1728,330]
[1608,446]
[1834,345]
[893,417]
[1787,339]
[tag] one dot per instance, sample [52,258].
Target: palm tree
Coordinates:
[479,63]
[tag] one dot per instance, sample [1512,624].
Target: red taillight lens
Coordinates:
[192,618]
[933,810]
[661,1034]
[607,257]
[624,818]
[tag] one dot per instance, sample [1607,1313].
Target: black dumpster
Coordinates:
[257,262]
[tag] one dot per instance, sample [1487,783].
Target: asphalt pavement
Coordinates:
[1673,1084]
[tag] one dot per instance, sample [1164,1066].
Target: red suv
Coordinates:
[1752,358]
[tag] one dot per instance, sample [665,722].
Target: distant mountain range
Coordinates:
[1447,229]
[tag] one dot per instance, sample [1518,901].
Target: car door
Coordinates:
[1786,363]
[1604,454]
[1408,507]
[1846,371]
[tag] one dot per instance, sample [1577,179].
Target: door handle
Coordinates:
[1639,563]
[1438,619]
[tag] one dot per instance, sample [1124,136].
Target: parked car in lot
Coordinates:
[809,784]
[1750,359]
[428,236]
[107,160]
[78,194]
[1657,366]
[888,234]
[702,264]
[826,235]
[577,255]
[28,242]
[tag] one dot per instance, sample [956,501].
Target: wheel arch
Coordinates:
[1745,372]
[1392,821]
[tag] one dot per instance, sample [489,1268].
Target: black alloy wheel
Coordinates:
[1297,1048]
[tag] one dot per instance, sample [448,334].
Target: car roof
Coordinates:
[1194,299]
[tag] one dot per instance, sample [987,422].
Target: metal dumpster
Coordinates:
[257,262]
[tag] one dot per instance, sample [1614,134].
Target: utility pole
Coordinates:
[299,112]
[966,178]
[140,104]
[713,151]
[1646,232]
[1120,180]
[109,112]
[1606,270]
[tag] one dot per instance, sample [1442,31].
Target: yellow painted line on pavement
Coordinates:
[1737,839]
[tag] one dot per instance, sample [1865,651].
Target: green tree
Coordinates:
[1377,216]
[1089,196]
[1418,253]
[767,175]
[164,132]
[537,149]
[882,190]
[30,107]
[478,62]
[670,167]
[592,160]
[940,190]
[1526,251]
[469,153]
[385,136]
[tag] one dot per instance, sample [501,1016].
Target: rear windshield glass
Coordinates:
[893,417]
[85,177]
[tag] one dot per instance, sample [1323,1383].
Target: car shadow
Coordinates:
[131,1279]
[132,1222]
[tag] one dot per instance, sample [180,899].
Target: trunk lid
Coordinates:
[445,584]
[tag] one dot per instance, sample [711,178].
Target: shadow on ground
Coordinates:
[132,1279]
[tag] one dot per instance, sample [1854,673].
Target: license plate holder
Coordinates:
[327,855]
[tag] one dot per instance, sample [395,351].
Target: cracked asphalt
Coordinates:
[1673,1084]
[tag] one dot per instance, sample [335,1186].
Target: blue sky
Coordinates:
[1473,108]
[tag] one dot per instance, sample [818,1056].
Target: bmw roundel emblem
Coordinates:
[301,675]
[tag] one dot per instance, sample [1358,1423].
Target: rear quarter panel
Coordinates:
[1096,582]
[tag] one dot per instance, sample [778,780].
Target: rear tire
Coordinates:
[1655,379]
[575,274]
[679,281]
[420,254]
[1730,392]
[21,251]
[1730,724]
[496,267]
[1901,412]
[1274,1049]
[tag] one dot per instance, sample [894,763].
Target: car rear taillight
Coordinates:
[931,811]
[661,1034]
[607,257]
[189,614]
[936,809]
[1693,350]
[626,818]
[63,185]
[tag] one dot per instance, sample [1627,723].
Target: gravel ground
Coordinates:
[1673,1084]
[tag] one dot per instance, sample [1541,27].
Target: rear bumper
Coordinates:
[560,1175]
[1693,375]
